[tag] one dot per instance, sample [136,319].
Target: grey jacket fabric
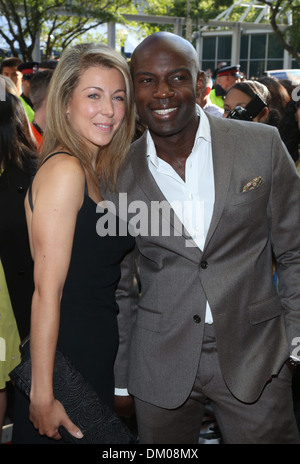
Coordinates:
[255,324]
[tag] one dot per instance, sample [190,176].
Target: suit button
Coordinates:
[204,264]
[21,189]
[197,318]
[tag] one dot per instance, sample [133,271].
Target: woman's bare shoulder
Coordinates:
[61,176]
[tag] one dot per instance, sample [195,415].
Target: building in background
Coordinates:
[248,40]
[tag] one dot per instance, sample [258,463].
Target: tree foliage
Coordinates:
[57,22]
[204,10]
[289,38]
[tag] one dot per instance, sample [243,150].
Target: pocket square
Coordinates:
[254,183]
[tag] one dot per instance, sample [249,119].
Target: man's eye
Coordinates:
[146,80]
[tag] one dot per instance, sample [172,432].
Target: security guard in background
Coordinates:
[27,70]
[226,77]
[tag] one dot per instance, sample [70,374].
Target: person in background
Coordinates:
[279,99]
[9,68]
[242,93]
[225,77]
[208,321]
[17,165]
[204,99]
[38,92]
[47,64]
[90,123]
[9,86]
[27,69]
[289,128]
[289,85]
[298,113]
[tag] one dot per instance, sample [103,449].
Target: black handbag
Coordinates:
[98,423]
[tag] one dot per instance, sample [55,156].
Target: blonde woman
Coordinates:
[89,127]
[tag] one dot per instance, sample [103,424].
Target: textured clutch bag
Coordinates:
[98,423]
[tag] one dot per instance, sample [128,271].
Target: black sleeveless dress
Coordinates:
[88,333]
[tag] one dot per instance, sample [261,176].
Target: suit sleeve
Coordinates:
[285,235]
[127,299]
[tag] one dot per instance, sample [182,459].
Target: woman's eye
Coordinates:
[119,98]
[93,96]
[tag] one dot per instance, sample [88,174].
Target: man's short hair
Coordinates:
[11,62]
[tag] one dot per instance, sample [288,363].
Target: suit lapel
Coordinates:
[223,156]
[142,173]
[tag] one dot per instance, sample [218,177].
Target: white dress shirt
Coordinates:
[192,199]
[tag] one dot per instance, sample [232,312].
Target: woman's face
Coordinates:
[97,106]
[235,97]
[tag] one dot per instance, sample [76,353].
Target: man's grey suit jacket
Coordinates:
[256,325]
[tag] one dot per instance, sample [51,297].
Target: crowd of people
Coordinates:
[158,324]
[231,89]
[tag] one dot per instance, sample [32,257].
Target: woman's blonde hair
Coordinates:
[60,134]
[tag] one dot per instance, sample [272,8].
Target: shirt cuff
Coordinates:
[121,392]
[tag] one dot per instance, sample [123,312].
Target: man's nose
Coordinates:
[163,90]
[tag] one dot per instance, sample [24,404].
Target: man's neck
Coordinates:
[176,149]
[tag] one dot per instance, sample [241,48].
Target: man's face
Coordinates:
[226,82]
[13,74]
[165,82]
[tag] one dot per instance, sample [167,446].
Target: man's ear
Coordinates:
[200,86]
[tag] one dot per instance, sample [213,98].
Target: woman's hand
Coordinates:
[48,417]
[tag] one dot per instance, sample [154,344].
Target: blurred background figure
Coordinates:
[17,165]
[38,93]
[289,126]
[204,99]
[8,85]
[225,77]
[47,64]
[241,94]
[298,114]
[279,99]
[27,69]
[9,68]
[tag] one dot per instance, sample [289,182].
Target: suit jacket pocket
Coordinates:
[246,197]
[148,320]
[265,310]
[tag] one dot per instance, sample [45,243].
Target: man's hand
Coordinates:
[124,406]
